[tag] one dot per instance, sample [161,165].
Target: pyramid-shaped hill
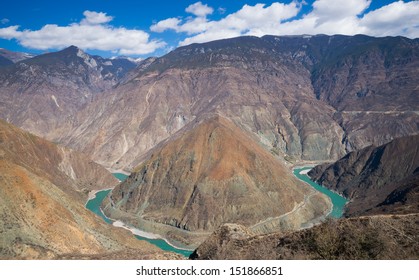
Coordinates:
[210,175]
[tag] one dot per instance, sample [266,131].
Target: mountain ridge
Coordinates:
[270,87]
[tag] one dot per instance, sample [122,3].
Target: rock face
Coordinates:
[42,94]
[365,74]
[42,210]
[287,91]
[374,237]
[376,179]
[211,174]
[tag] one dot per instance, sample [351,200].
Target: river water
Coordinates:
[337,200]
[94,206]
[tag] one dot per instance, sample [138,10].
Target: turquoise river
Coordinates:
[94,206]
[337,200]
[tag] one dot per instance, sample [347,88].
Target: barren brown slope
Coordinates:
[374,237]
[59,165]
[42,208]
[212,174]
[382,179]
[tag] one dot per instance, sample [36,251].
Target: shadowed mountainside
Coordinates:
[382,179]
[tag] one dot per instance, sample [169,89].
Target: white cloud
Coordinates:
[9,32]
[330,10]
[93,32]
[4,20]
[349,18]
[249,20]
[397,18]
[199,10]
[191,26]
[92,18]
[163,25]
[326,17]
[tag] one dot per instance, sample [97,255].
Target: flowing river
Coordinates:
[94,206]
[301,173]
[337,200]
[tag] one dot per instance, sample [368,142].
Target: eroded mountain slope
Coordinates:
[43,190]
[210,174]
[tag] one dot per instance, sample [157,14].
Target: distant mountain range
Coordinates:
[304,97]
[211,132]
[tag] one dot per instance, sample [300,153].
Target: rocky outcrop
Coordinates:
[42,197]
[376,179]
[210,174]
[374,237]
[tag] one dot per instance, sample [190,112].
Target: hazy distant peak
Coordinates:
[14,56]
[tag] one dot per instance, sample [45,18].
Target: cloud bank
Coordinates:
[92,32]
[349,17]
[330,17]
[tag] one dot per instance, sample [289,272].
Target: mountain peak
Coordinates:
[72,48]
[75,50]
[210,175]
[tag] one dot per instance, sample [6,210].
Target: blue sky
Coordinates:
[152,28]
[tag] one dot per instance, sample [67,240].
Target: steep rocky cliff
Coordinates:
[42,204]
[376,179]
[211,174]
